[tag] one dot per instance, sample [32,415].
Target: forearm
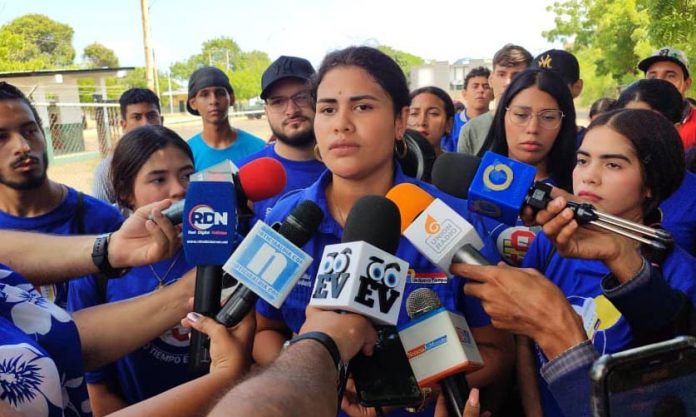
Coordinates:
[301,382]
[497,350]
[527,377]
[103,400]
[45,259]
[109,331]
[193,399]
[267,346]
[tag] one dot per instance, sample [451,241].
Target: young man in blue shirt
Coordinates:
[285,89]
[29,200]
[210,96]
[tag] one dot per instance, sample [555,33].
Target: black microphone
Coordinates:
[298,227]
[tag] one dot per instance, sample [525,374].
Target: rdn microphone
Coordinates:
[258,180]
[503,186]
[440,347]
[360,274]
[268,263]
[437,231]
[208,236]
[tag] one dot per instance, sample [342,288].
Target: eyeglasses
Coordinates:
[279,104]
[548,119]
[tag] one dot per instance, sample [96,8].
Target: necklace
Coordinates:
[160,279]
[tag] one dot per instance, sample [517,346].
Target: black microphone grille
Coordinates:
[375,220]
[421,301]
[453,173]
[301,223]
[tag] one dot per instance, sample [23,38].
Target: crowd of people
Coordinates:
[97,321]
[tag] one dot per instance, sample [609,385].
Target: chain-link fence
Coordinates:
[84,130]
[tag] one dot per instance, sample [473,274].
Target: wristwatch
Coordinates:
[100,257]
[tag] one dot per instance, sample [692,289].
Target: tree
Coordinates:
[610,37]
[243,68]
[97,55]
[405,60]
[37,40]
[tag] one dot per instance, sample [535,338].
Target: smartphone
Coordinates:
[386,377]
[653,380]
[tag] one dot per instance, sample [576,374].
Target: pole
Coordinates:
[149,70]
[171,98]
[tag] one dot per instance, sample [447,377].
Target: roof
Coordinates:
[43,73]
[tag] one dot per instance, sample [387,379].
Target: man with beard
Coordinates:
[285,88]
[31,201]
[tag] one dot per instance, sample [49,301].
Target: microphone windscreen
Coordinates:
[301,223]
[421,301]
[262,178]
[454,172]
[375,220]
[411,201]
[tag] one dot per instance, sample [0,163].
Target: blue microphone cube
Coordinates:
[500,187]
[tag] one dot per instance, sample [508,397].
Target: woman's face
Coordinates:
[355,125]
[531,135]
[427,116]
[164,175]
[609,174]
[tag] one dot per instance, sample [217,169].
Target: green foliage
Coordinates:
[35,41]
[97,55]
[610,37]
[243,68]
[405,60]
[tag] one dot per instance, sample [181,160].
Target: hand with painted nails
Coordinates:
[352,333]
[144,241]
[230,349]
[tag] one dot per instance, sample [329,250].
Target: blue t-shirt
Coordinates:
[679,214]
[98,217]
[449,143]
[299,174]
[205,156]
[41,371]
[422,273]
[580,281]
[160,364]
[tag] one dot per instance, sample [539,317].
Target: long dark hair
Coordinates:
[384,70]
[659,149]
[133,151]
[561,157]
[660,95]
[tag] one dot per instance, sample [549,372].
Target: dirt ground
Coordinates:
[79,174]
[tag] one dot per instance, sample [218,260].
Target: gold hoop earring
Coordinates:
[400,148]
[317,154]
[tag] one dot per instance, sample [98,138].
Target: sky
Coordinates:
[432,29]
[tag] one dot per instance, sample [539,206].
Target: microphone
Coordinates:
[268,263]
[258,180]
[440,347]
[437,231]
[360,274]
[453,172]
[208,238]
[502,186]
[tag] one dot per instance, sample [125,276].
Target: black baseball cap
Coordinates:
[285,67]
[206,77]
[561,62]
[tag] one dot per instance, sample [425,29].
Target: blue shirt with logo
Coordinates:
[679,214]
[41,368]
[204,156]
[98,217]
[160,364]
[580,279]
[298,174]
[422,274]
